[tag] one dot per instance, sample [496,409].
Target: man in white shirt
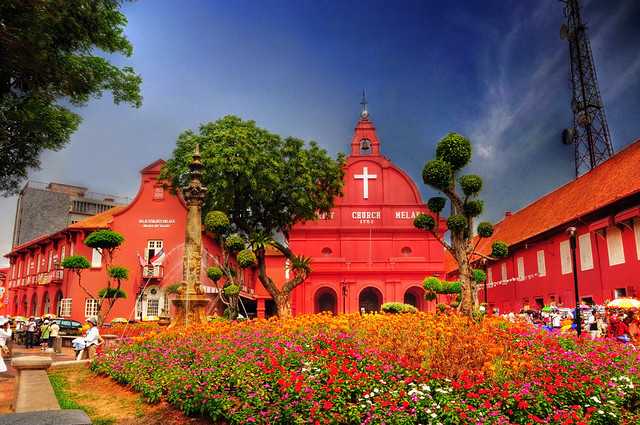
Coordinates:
[93,337]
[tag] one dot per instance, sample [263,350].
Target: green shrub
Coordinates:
[478,275]
[499,249]
[246,258]
[76,262]
[424,222]
[485,229]
[456,223]
[174,288]
[118,272]
[455,149]
[234,242]
[112,293]
[437,173]
[470,184]
[396,308]
[217,222]
[215,273]
[436,204]
[104,239]
[432,283]
[473,208]
[231,290]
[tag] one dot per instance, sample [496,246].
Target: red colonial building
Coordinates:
[604,207]
[366,251]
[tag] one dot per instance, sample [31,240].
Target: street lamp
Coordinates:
[571,231]
[343,285]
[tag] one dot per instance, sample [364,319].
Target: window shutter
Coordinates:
[565,257]
[542,267]
[489,275]
[586,254]
[96,258]
[614,246]
[636,230]
[503,271]
[520,262]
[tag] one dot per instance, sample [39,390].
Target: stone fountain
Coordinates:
[191,303]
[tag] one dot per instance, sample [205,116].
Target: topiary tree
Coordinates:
[106,242]
[442,173]
[228,273]
[265,184]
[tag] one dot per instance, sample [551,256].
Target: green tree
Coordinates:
[49,59]
[106,242]
[442,173]
[264,184]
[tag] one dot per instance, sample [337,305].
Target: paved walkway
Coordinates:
[8,379]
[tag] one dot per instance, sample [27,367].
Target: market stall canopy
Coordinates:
[624,303]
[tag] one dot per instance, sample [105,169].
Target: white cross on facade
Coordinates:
[365,177]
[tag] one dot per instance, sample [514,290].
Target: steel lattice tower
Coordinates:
[590,133]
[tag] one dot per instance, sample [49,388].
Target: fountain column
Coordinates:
[191,302]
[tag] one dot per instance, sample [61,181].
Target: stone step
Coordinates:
[48,417]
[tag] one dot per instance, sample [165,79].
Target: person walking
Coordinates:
[5,335]
[45,332]
[55,332]
[31,333]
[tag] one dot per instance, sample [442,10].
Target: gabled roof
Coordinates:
[98,221]
[614,179]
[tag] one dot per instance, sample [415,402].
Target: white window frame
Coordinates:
[156,245]
[615,246]
[542,266]
[489,275]
[62,254]
[520,264]
[565,257]
[50,260]
[503,271]
[90,307]
[64,307]
[586,253]
[153,303]
[96,259]
[636,231]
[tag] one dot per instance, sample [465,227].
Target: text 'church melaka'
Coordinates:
[365,252]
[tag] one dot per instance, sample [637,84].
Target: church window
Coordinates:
[542,267]
[326,251]
[406,251]
[586,255]
[158,193]
[614,246]
[365,147]
[64,307]
[153,307]
[153,247]
[520,263]
[96,258]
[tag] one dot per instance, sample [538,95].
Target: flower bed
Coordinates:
[392,369]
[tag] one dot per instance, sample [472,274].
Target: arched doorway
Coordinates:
[16,306]
[326,299]
[370,300]
[152,304]
[46,304]
[34,305]
[414,296]
[58,301]
[25,306]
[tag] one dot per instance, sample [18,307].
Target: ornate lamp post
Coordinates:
[571,231]
[343,286]
[191,302]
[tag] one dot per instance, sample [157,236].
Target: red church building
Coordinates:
[604,207]
[365,252]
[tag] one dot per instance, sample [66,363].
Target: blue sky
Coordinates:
[495,71]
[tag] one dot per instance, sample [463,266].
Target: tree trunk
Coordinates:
[283,305]
[467,301]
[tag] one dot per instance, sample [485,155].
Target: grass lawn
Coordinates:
[108,403]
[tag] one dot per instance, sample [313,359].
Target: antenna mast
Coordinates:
[590,133]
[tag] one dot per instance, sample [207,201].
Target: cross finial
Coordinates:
[363,102]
